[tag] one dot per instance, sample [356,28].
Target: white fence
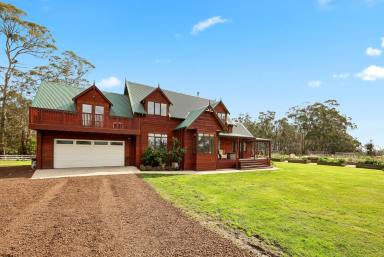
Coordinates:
[17,157]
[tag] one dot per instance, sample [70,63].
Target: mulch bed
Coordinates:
[16,172]
[99,216]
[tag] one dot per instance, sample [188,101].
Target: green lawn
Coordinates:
[306,210]
[13,163]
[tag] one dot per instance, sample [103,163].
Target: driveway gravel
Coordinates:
[99,216]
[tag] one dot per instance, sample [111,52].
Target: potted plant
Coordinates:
[176,154]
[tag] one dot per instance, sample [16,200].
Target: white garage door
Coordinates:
[70,153]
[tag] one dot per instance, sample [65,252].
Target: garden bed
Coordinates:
[298,161]
[369,166]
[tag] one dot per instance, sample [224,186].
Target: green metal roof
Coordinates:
[58,96]
[239,130]
[191,117]
[182,104]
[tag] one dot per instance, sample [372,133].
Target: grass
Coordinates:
[4,163]
[306,210]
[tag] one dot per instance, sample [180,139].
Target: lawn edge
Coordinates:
[255,244]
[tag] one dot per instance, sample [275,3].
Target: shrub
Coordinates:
[331,161]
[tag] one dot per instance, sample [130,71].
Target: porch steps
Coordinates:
[248,164]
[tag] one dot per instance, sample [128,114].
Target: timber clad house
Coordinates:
[90,128]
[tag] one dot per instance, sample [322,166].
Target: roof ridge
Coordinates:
[175,92]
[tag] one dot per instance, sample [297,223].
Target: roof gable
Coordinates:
[222,105]
[154,92]
[195,114]
[93,87]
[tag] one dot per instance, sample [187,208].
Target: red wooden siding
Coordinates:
[44,119]
[206,123]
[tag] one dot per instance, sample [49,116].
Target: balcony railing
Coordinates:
[70,121]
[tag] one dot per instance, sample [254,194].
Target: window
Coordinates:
[157,140]
[205,143]
[100,143]
[244,146]
[151,107]
[99,116]
[99,110]
[234,147]
[87,108]
[87,115]
[221,116]
[83,142]
[163,109]
[64,142]
[157,108]
[116,143]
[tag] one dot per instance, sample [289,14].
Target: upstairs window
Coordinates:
[99,116]
[155,108]
[221,116]
[86,115]
[205,143]
[157,141]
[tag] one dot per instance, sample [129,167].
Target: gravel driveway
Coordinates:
[99,216]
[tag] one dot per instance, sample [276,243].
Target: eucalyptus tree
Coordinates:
[20,38]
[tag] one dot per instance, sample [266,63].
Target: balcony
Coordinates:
[45,119]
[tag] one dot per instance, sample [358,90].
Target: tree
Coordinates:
[323,128]
[21,38]
[69,69]
[370,148]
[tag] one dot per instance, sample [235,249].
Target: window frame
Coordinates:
[157,108]
[205,143]
[157,141]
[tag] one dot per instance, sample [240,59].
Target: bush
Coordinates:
[374,163]
[331,161]
[160,157]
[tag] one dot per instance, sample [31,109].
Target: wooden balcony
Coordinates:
[45,119]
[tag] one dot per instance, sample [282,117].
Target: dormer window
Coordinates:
[155,108]
[222,116]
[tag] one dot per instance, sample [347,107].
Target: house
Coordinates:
[88,128]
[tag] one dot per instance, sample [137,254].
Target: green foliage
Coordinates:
[314,127]
[306,210]
[69,69]
[331,161]
[370,148]
[176,153]
[156,157]
[379,163]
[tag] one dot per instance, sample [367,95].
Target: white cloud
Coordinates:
[344,75]
[203,25]
[314,83]
[324,3]
[372,73]
[110,82]
[373,51]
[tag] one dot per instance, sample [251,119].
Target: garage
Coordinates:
[73,153]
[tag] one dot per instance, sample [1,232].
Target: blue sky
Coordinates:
[256,55]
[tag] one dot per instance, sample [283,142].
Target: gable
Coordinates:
[157,95]
[220,107]
[207,122]
[92,95]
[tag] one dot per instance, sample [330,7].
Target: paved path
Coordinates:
[99,216]
[104,171]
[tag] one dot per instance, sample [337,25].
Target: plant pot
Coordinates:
[175,165]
